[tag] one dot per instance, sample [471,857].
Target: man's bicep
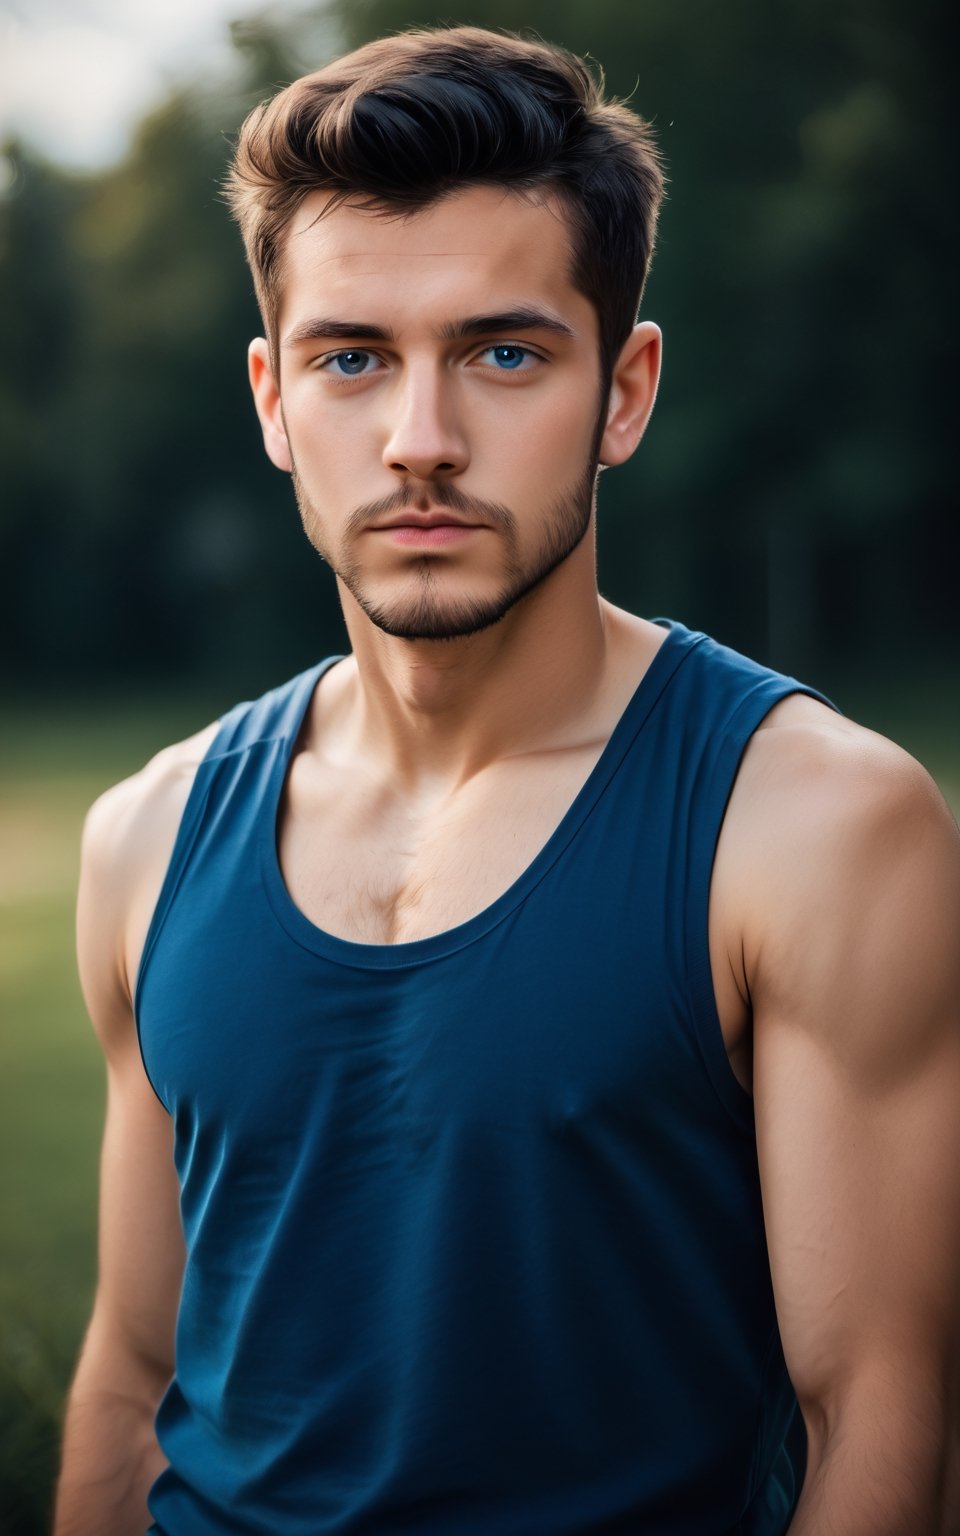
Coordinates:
[140,1242]
[141,1252]
[860,1202]
[857,1091]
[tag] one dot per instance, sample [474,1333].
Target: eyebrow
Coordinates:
[524,318]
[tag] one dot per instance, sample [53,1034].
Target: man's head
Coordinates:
[408,119]
[449,234]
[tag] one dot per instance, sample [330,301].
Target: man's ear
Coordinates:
[266,398]
[632,393]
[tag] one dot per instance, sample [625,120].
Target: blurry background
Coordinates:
[791,495]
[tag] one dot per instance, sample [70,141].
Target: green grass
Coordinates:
[53,762]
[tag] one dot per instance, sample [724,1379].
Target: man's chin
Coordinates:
[435,621]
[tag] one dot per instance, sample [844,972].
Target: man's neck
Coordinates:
[434,713]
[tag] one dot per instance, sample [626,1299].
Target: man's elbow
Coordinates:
[887,1464]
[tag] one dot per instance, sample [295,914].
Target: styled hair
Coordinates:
[403,121]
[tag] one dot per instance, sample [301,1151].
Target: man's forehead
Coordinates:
[463,208]
[483,227]
[481,248]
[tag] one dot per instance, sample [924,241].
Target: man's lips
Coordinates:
[428,529]
[439,519]
[429,535]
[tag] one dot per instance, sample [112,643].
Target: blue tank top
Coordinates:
[473,1225]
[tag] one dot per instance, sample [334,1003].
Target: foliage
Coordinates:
[142,518]
[791,494]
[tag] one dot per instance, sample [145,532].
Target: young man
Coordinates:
[532,1039]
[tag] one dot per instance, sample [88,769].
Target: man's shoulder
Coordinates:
[143,803]
[836,835]
[809,768]
[128,839]
[130,832]
[148,803]
[820,797]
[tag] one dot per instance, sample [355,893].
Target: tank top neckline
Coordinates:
[676,647]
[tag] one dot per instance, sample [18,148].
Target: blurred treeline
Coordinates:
[791,495]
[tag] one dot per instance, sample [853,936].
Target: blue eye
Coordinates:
[507,357]
[349,364]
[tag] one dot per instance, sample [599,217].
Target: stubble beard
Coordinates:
[425,613]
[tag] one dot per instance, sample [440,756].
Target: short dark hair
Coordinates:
[399,123]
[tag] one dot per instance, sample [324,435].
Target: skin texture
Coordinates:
[429,773]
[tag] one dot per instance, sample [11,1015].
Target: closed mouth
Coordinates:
[426,520]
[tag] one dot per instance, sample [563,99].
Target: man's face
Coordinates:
[438,400]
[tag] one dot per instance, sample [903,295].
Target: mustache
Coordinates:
[431,494]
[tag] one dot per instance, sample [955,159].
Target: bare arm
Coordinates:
[110,1452]
[852,959]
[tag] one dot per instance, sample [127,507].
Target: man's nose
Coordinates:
[425,437]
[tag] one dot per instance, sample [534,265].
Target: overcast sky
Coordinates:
[75,75]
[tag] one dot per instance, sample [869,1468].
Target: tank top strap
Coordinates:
[725,697]
[276,717]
